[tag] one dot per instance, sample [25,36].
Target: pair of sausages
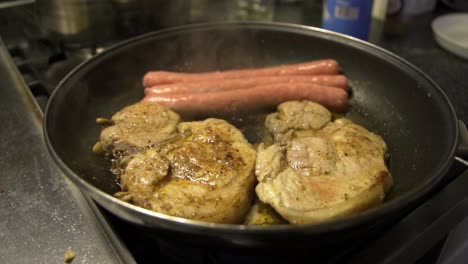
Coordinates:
[243,90]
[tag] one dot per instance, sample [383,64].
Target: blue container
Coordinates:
[351,17]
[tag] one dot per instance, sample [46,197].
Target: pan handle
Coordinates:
[462,149]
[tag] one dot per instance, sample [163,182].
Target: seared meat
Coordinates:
[263,214]
[139,125]
[296,116]
[319,170]
[206,174]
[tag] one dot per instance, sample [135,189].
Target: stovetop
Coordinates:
[421,236]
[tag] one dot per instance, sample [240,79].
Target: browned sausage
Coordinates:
[336,99]
[319,67]
[339,81]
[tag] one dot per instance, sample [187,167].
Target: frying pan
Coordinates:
[389,96]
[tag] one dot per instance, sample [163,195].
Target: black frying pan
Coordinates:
[389,96]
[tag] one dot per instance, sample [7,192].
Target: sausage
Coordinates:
[339,81]
[318,67]
[336,99]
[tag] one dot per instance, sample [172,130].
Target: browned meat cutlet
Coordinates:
[136,126]
[206,174]
[317,170]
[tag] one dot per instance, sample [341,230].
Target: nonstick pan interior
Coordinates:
[389,96]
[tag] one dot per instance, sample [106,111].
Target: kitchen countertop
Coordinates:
[447,70]
[43,214]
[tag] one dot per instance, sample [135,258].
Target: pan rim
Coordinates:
[153,219]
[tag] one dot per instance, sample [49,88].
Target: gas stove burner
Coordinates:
[43,64]
[31,75]
[61,67]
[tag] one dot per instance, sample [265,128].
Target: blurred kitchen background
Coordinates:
[48,38]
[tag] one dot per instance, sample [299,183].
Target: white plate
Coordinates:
[451,32]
